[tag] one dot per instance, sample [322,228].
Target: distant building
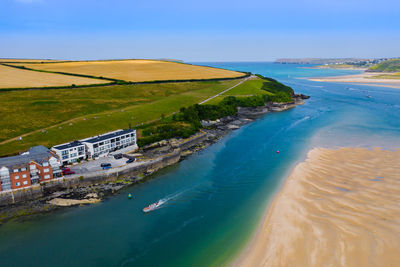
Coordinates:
[36,165]
[70,152]
[103,144]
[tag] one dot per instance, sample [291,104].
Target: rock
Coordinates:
[232,127]
[71,202]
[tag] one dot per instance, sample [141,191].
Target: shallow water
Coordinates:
[215,198]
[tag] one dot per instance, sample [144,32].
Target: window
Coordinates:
[47,176]
[16,177]
[32,167]
[81,148]
[24,176]
[18,184]
[95,145]
[73,155]
[46,170]
[101,143]
[25,182]
[23,169]
[15,170]
[65,157]
[65,152]
[70,149]
[45,164]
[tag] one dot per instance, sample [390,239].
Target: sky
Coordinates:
[206,30]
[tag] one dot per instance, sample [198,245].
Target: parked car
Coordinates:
[105,165]
[68,172]
[130,160]
[66,169]
[118,156]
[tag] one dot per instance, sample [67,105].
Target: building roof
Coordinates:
[68,145]
[37,153]
[107,136]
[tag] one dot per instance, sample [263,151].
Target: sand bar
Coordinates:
[338,208]
[366,78]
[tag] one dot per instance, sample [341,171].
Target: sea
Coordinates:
[215,199]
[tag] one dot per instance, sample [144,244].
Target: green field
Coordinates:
[391,65]
[249,88]
[54,116]
[394,76]
[51,117]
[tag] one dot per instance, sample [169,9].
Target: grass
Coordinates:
[248,88]
[391,65]
[78,113]
[18,78]
[136,70]
[393,76]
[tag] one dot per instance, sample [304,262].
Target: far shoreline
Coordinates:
[365,78]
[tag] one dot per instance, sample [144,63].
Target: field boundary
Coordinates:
[112,81]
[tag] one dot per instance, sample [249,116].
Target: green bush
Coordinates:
[280,97]
[281,93]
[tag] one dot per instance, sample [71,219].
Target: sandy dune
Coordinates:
[365,78]
[338,208]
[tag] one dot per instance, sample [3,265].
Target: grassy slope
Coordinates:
[249,88]
[394,76]
[391,65]
[96,110]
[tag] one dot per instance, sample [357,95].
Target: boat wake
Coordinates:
[163,201]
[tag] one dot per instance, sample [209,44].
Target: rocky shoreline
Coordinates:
[87,194]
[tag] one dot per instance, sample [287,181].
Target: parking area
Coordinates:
[94,165]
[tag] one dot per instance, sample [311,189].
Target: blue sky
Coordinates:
[207,30]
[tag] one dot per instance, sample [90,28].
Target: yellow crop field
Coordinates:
[6,60]
[18,78]
[137,70]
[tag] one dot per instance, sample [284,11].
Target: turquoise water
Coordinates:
[217,197]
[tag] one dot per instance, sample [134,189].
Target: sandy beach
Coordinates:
[365,78]
[338,208]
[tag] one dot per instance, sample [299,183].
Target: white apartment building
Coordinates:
[70,152]
[101,145]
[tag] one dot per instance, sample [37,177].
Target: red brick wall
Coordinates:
[20,180]
[42,174]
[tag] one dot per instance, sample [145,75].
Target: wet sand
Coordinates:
[363,79]
[338,208]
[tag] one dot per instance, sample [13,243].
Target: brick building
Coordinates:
[36,165]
